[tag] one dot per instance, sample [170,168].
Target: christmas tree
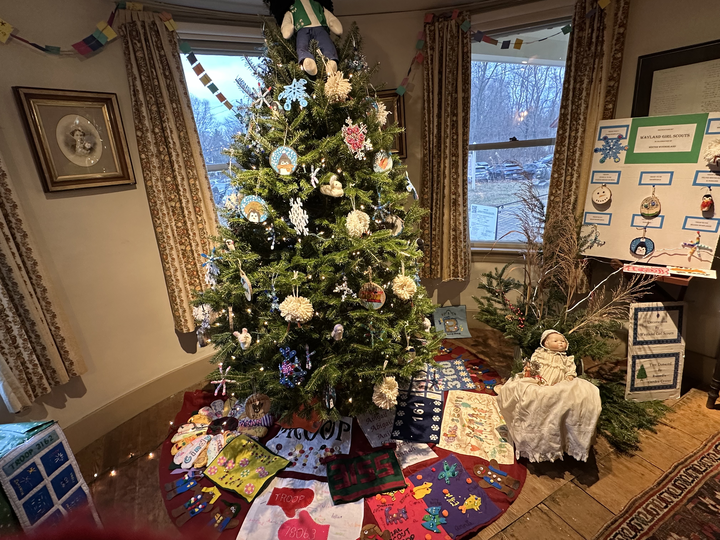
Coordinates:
[315,295]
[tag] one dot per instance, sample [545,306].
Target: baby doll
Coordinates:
[310,19]
[549,411]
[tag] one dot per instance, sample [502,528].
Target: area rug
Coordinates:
[684,503]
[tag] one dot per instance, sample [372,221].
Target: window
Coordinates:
[216,124]
[513,118]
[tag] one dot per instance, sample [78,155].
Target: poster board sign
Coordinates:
[483,222]
[452,321]
[649,176]
[656,350]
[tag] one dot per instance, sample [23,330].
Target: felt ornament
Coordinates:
[337,87]
[311,19]
[244,338]
[358,223]
[403,286]
[707,205]
[296,309]
[712,154]
[355,136]
[385,393]
[333,188]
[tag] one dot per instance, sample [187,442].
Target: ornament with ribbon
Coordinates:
[707,205]
[371,294]
[295,308]
[291,374]
[695,246]
[212,271]
[222,380]
[403,286]
[385,392]
[247,286]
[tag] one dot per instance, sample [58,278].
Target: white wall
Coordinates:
[98,244]
[660,25]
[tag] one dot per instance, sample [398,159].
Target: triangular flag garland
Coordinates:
[481,37]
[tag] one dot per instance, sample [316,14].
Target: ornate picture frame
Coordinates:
[77,138]
[395,104]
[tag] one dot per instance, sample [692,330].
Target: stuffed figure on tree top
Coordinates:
[315,299]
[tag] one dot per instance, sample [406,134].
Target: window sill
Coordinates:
[482,252]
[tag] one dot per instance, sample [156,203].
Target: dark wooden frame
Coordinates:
[27,97]
[650,63]
[396,105]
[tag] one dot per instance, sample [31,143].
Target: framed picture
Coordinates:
[77,138]
[678,81]
[396,105]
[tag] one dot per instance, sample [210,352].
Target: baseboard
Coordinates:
[103,420]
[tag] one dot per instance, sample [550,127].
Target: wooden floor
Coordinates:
[568,499]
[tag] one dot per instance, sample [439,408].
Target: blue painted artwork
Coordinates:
[253,208]
[77,500]
[283,160]
[54,459]
[452,321]
[64,481]
[26,480]
[38,505]
[611,148]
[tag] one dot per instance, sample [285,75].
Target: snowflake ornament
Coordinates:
[344,289]
[358,62]
[298,217]
[211,268]
[313,175]
[611,148]
[261,97]
[223,380]
[294,92]
[380,112]
[355,136]
[337,87]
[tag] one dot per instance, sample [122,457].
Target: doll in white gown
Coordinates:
[548,409]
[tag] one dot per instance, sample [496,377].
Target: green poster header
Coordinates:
[649,135]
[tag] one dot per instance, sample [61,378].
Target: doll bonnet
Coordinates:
[546,333]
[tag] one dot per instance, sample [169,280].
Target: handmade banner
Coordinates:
[417,419]
[452,499]
[244,466]
[354,478]
[472,425]
[291,509]
[304,449]
[452,321]
[377,426]
[410,453]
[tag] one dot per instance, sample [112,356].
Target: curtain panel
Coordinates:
[176,181]
[37,350]
[590,89]
[445,136]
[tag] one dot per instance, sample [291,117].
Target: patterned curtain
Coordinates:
[590,89]
[37,351]
[177,184]
[446,134]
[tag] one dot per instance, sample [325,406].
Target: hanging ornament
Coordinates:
[427,325]
[602,195]
[409,186]
[291,374]
[298,217]
[382,162]
[294,92]
[372,295]
[712,154]
[247,286]
[274,303]
[330,397]
[344,290]
[642,247]
[385,393]
[707,205]
[205,314]
[379,110]
[254,209]
[337,332]
[313,175]
[211,268]
[232,202]
[261,97]
[308,354]
[230,244]
[650,206]
[611,148]
[222,380]
[396,223]
[694,246]
[230,317]
[244,338]
[355,136]
[284,160]
[257,406]
[358,223]
[333,188]
[337,87]
[403,286]
[296,309]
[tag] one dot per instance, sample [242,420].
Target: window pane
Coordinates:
[494,183]
[216,124]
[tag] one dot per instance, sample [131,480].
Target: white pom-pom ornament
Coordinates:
[296,309]
[385,393]
[358,223]
[403,286]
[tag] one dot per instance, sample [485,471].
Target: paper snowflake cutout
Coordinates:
[381,112]
[355,136]
[298,217]
[294,92]
[337,87]
[261,97]
[611,148]
[344,289]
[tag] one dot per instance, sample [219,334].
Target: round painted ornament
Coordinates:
[383,162]
[254,209]
[642,247]
[372,295]
[284,160]
[257,406]
[650,207]
[602,195]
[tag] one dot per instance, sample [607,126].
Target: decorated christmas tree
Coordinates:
[315,298]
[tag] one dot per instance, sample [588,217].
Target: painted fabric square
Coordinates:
[402,513]
[244,466]
[426,384]
[410,453]
[451,494]
[454,376]
[353,478]
[417,418]
[470,426]
[377,426]
[304,449]
[291,509]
